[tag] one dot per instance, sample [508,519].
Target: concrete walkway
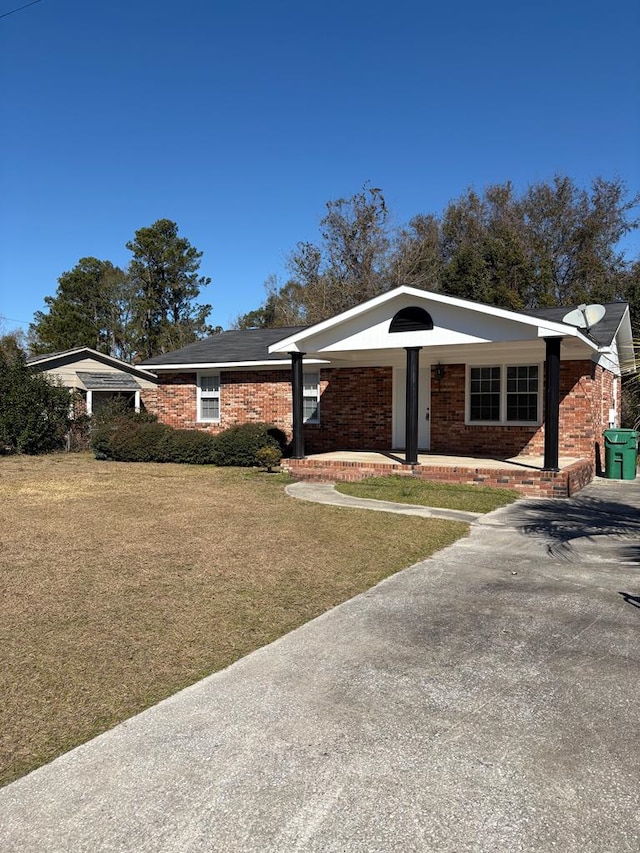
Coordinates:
[325,493]
[485,699]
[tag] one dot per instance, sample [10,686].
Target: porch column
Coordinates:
[551,403]
[297,405]
[411,416]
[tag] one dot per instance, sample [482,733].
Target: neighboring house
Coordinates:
[411,370]
[98,378]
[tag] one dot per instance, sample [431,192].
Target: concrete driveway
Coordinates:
[486,699]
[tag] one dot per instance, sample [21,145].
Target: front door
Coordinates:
[400,408]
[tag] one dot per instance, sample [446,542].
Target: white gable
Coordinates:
[456,322]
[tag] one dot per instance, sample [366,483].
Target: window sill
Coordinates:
[532,424]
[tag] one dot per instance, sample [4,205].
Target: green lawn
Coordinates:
[410,490]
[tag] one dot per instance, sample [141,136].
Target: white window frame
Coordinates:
[311,395]
[208,395]
[89,401]
[503,394]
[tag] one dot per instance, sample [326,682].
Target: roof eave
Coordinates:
[38,361]
[210,365]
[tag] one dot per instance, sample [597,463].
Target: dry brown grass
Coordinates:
[123,583]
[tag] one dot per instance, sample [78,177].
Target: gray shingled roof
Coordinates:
[239,345]
[603,333]
[32,359]
[235,345]
[107,381]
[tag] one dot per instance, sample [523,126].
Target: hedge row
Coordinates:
[139,438]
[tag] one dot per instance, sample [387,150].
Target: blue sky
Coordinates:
[240,120]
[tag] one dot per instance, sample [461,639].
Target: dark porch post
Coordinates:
[411,417]
[552,403]
[297,405]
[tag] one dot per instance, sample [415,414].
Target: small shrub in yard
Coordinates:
[268,456]
[239,445]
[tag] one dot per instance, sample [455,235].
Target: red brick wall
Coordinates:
[355,405]
[527,481]
[604,381]
[449,434]
[585,398]
[356,410]
[149,399]
[246,396]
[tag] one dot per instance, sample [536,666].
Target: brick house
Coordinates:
[411,371]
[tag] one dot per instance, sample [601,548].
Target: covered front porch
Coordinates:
[526,474]
[462,392]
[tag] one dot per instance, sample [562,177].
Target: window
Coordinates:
[522,393]
[311,398]
[484,394]
[504,394]
[208,397]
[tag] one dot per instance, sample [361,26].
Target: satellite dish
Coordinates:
[585,316]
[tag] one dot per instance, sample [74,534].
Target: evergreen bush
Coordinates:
[127,436]
[190,446]
[239,445]
[268,456]
[132,441]
[34,412]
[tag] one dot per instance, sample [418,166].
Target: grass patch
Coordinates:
[123,583]
[411,490]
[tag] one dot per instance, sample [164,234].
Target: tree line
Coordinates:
[132,314]
[555,244]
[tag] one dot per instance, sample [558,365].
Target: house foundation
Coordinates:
[527,476]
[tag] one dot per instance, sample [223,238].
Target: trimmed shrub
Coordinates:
[268,456]
[126,440]
[112,428]
[239,445]
[190,446]
[131,437]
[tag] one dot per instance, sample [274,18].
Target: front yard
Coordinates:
[122,583]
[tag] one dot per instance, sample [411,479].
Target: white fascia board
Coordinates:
[91,353]
[551,329]
[609,360]
[223,365]
[560,330]
[625,347]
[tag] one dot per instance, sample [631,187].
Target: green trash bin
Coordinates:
[620,453]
